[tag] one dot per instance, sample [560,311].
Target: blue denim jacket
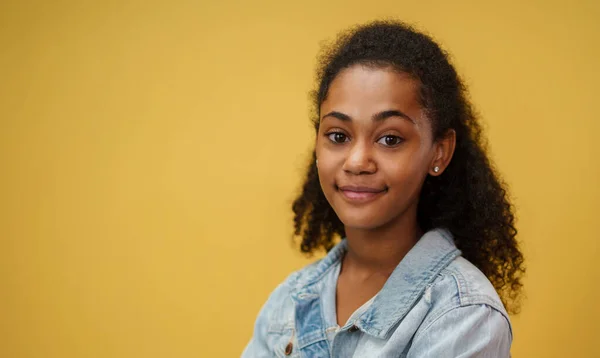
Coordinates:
[434,304]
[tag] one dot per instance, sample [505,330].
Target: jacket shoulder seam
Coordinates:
[451,307]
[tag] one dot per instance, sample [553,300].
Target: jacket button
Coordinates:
[353,329]
[288,349]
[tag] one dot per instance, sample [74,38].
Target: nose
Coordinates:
[359,159]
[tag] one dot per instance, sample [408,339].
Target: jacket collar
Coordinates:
[405,286]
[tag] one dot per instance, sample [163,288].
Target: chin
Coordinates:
[361,222]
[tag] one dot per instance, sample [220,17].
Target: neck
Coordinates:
[381,249]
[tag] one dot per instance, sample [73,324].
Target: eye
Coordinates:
[390,140]
[337,137]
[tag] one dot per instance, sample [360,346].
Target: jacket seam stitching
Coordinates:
[454,307]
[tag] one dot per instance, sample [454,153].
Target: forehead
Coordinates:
[362,90]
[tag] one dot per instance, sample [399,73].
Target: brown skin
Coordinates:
[374,149]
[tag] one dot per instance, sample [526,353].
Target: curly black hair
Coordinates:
[469,198]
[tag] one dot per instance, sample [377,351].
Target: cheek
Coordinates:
[405,173]
[319,148]
[328,159]
[402,165]
[326,171]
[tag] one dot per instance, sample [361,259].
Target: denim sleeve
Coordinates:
[257,347]
[467,331]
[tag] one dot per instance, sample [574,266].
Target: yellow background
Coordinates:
[150,150]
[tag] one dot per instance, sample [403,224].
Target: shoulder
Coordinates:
[472,286]
[276,317]
[274,324]
[313,272]
[298,278]
[280,298]
[461,286]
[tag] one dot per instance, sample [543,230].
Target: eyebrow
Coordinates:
[377,117]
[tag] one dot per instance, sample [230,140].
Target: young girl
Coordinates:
[399,171]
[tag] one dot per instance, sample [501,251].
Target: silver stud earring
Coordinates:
[436,169]
[316,161]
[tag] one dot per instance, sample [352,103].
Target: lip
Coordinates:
[360,194]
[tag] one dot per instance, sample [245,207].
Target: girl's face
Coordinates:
[375,147]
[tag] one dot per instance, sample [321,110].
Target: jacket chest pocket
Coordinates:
[282,341]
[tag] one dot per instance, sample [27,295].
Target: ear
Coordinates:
[443,151]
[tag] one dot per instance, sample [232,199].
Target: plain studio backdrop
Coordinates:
[150,151]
